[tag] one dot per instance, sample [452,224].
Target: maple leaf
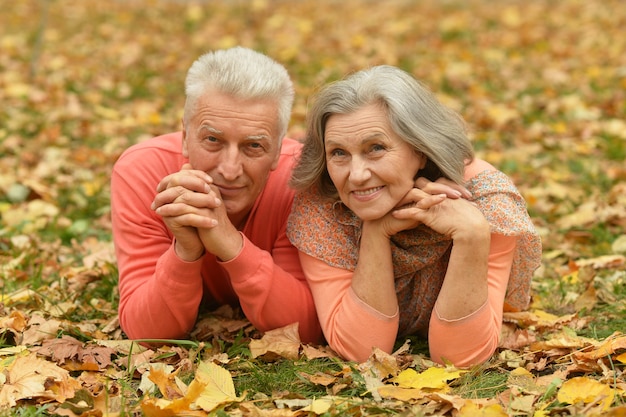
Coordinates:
[165,379]
[31,377]
[70,350]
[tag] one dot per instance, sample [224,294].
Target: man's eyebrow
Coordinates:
[210,129]
[258,137]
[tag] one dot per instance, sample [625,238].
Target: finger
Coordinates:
[465,193]
[194,180]
[443,185]
[416,210]
[450,189]
[413,197]
[199,200]
[197,221]
[430,201]
[184,215]
[183,195]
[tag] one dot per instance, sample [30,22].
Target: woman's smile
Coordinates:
[367,194]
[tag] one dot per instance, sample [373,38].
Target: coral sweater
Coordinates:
[160,294]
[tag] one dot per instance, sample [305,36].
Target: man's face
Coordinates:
[235,142]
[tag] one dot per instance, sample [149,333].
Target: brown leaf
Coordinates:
[68,349]
[284,342]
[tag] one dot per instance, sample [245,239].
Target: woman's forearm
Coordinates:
[373,280]
[464,288]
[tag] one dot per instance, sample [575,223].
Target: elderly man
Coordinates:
[199,216]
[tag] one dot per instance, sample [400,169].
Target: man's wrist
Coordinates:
[232,249]
[186,254]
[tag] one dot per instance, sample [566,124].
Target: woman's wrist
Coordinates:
[473,233]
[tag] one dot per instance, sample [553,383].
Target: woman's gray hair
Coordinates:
[414,113]
[243,73]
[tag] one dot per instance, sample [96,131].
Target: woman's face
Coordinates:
[369,164]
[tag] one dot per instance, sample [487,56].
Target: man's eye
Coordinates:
[211,139]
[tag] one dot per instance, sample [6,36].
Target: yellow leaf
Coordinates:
[18,296]
[218,386]
[32,216]
[399,393]
[621,358]
[473,410]
[17,90]
[586,390]
[160,407]
[320,405]
[519,371]
[432,378]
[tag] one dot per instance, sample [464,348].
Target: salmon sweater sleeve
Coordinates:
[160,294]
[473,339]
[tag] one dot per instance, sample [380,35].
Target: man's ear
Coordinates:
[185,151]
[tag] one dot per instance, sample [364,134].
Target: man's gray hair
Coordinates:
[242,73]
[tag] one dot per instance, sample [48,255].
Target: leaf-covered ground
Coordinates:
[542,85]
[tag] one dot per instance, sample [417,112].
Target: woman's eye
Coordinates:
[376,148]
[337,152]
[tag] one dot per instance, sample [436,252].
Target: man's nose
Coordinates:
[230,166]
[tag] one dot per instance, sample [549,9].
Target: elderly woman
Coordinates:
[400,229]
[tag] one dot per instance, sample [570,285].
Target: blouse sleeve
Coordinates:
[350,326]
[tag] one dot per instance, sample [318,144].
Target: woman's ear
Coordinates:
[423,159]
